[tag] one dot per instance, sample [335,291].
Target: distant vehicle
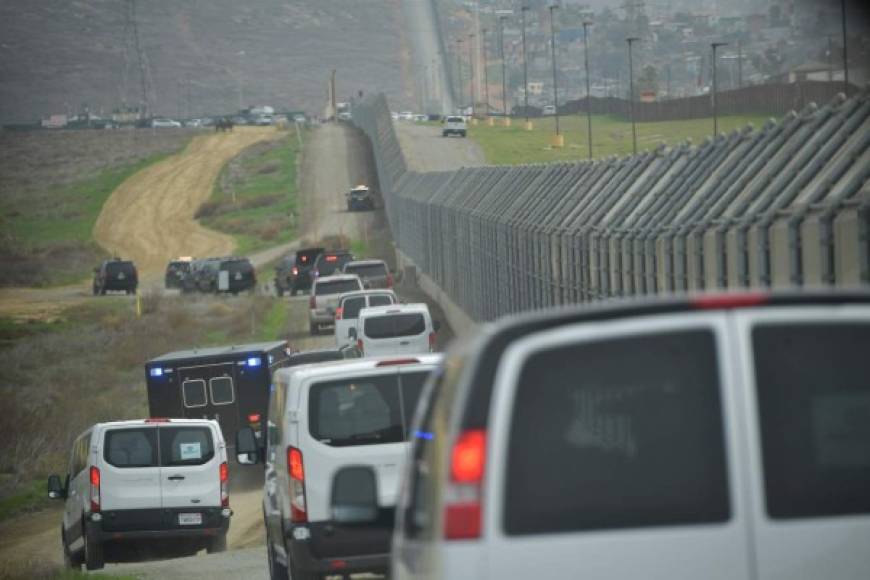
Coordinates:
[214,275]
[394,115]
[454,125]
[263,120]
[157,480]
[360,198]
[299,119]
[176,270]
[421,118]
[115,275]
[406,116]
[164,123]
[396,329]
[330,262]
[324,418]
[229,384]
[659,438]
[324,298]
[349,306]
[293,272]
[345,116]
[195,123]
[548,110]
[373,273]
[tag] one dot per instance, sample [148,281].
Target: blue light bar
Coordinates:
[255,361]
[427,435]
[156,372]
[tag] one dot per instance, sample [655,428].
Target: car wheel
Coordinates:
[444,133]
[70,561]
[277,571]
[93,552]
[279,290]
[102,291]
[217,544]
[294,292]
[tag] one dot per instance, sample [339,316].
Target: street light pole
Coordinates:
[715,45]
[485,74]
[523,10]
[504,105]
[555,85]
[631,40]
[845,58]
[459,74]
[471,71]
[586,25]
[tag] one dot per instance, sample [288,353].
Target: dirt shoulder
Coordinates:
[426,150]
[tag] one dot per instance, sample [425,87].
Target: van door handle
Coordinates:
[405,342]
[175,477]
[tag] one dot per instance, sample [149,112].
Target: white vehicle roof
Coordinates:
[420,307]
[352,367]
[154,421]
[369,292]
[335,278]
[370,262]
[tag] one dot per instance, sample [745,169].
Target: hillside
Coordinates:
[58,54]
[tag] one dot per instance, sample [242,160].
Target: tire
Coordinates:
[102,291]
[444,134]
[279,290]
[297,574]
[217,544]
[277,571]
[462,134]
[70,561]
[94,559]
[294,292]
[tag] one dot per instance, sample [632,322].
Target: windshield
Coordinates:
[364,411]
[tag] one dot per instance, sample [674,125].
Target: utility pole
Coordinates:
[631,40]
[485,74]
[715,45]
[523,10]
[459,71]
[558,138]
[504,101]
[241,55]
[586,25]
[845,58]
[739,66]
[144,107]
[471,72]
[332,97]
[830,57]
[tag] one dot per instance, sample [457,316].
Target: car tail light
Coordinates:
[398,361]
[359,345]
[295,271]
[724,301]
[312,302]
[462,517]
[254,418]
[95,489]
[295,468]
[389,280]
[224,473]
[339,312]
[431,342]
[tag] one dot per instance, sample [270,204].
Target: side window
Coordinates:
[222,392]
[275,418]
[193,393]
[617,433]
[135,447]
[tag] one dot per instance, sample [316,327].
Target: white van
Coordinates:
[349,307]
[146,480]
[322,418]
[395,329]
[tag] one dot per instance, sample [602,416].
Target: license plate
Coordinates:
[190,519]
[238,276]
[121,276]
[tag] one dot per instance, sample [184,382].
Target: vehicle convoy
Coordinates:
[454,125]
[325,293]
[115,275]
[395,329]
[160,483]
[293,272]
[176,270]
[220,275]
[331,262]
[349,306]
[322,418]
[360,198]
[229,384]
[373,273]
[720,436]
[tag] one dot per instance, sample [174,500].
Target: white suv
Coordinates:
[322,418]
[349,307]
[454,125]
[324,298]
[147,480]
[395,329]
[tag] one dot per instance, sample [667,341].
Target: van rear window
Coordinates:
[368,270]
[814,407]
[131,447]
[352,306]
[115,268]
[365,411]
[395,326]
[615,434]
[185,445]
[178,445]
[337,287]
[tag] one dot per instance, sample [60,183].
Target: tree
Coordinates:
[648,79]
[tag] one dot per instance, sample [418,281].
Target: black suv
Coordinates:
[176,271]
[360,198]
[232,275]
[331,262]
[115,275]
[293,273]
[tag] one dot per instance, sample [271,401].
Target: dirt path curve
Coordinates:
[149,218]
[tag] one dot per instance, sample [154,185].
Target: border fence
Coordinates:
[787,205]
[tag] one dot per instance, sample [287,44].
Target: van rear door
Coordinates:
[808,398]
[210,392]
[396,333]
[190,468]
[129,469]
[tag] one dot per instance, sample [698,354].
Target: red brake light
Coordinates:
[298,510]
[431,342]
[254,418]
[312,302]
[389,280]
[157,420]
[719,301]
[224,472]
[359,345]
[95,489]
[95,476]
[294,464]
[331,258]
[295,271]
[339,312]
[397,361]
[463,512]
[469,455]
[224,476]
[304,258]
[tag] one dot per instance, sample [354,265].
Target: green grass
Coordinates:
[27,498]
[610,136]
[254,199]
[275,322]
[360,249]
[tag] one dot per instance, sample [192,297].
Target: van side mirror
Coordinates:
[247,448]
[351,333]
[355,495]
[436,325]
[56,489]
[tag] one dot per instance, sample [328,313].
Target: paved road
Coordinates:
[426,150]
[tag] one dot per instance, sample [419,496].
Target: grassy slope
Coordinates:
[514,145]
[263,178]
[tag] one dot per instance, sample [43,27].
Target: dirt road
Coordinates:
[426,150]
